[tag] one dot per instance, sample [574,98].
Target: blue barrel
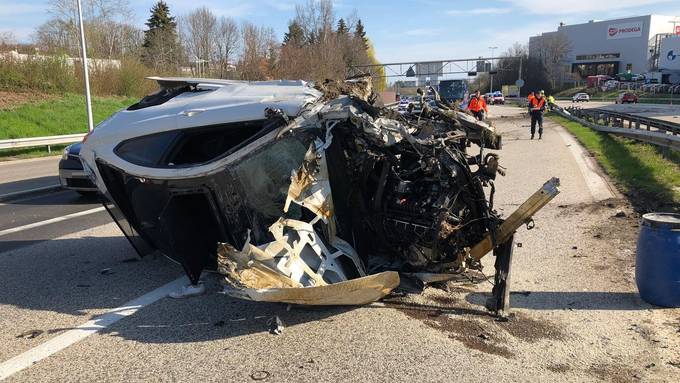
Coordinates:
[657,269]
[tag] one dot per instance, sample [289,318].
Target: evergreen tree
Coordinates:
[360,33]
[295,35]
[342,27]
[161,45]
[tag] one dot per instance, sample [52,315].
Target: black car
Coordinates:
[71,173]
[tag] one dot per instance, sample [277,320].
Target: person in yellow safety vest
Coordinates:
[537,107]
[530,97]
[477,106]
[551,102]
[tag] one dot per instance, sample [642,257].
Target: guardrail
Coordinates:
[649,130]
[16,143]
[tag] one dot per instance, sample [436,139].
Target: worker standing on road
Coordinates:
[477,106]
[536,109]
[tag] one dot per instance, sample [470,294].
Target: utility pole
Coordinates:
[491,69]
[86,75]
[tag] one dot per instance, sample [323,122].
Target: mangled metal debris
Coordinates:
[302,195]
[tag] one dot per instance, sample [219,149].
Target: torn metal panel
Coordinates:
[357,291]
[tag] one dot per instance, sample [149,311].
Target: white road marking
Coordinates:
[7,196]
[598,187]
[60,342]
[50,221]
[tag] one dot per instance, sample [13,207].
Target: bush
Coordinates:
[55,74]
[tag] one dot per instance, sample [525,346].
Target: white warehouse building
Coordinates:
[609,47]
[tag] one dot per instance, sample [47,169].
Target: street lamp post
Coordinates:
[491,69]
[86,75]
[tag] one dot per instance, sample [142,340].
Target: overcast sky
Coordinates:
[400,30]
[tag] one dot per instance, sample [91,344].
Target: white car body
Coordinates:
[223,101]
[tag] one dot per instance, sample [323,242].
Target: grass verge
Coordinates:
[649,177]
[24,153]
[65,115]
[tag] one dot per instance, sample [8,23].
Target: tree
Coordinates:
[259,52]
[552,51]
[109,33]
[360,33]
[199,34]
[161,45]
[295,35]
[342,27]
[227,41]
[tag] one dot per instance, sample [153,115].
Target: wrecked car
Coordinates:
[305,194]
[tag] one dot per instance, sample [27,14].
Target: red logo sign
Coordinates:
[677,29]
[613,31]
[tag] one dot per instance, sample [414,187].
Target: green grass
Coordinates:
[65,115]
[18,154]
[649,176]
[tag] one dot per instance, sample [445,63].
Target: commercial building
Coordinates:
[632,44]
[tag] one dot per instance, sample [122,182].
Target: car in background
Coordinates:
[627,98]
[71,173]
[498,98]
[579,97]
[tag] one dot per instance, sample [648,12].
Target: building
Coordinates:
[608,47]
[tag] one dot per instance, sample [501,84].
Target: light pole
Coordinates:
[86,75]
[491,69]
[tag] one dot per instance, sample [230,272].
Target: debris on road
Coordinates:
[260,375]
[318,196]
[275,325]
[30,334]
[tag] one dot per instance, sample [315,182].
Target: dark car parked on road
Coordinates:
[71,173]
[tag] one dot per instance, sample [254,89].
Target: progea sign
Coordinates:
[624,30]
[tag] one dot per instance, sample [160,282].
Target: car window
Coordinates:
[267,192]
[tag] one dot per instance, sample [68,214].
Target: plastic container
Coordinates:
[657,269]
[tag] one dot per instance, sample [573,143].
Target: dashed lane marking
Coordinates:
[50,221]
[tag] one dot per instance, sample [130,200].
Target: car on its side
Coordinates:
[71,173]
[579,97]
[627,98]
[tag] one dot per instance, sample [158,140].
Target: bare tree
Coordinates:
[316,19]
[227,41]
[106,24]
[258,53]
[7,38]
[553,50]
[199,31]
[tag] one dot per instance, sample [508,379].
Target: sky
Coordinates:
[400,30]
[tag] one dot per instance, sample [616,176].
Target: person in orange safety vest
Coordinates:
[530,97]
[536,108]
[477,106]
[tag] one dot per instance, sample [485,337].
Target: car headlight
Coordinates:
[64,155]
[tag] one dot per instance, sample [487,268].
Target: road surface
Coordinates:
[22,175]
